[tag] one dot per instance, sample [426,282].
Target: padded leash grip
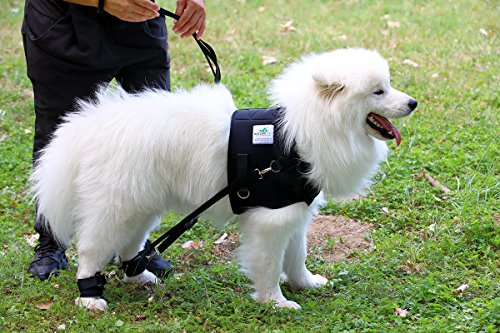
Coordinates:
[92,286]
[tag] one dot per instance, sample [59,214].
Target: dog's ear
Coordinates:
[327,90]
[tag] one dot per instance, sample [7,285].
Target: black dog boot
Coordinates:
[49,257]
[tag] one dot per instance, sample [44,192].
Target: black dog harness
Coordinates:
[256,146]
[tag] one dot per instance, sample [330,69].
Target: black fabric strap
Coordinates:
[207,50]
[100,7]
[135,266]
[92,286]
[242,173]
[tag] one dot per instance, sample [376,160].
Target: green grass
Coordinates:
[427,245]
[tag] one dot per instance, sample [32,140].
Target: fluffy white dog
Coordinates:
[114,167]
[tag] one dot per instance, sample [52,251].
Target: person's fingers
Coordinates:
[194,28]
[192,17]
[148,4]
[201,30]
[181,6]
[142,13]
[132,10]
[185,23]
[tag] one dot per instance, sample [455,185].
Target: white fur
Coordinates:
[114,167]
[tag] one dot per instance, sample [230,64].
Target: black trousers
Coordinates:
[70,50]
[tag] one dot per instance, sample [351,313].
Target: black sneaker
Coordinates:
[159,266]
[49,258]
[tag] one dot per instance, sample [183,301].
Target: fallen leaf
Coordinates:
[141,317]
[192,244]
[44,305]
[287,27]
[400,312]
[410,62]
[483,32]
[221,239]
[269,60]
[32,240]
[462,288]
[393,24]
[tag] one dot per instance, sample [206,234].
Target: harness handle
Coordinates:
[207,50]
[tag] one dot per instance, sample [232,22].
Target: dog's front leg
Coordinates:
[294,265]
[265,236]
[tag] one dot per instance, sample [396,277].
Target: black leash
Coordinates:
[138,264]
[207,50]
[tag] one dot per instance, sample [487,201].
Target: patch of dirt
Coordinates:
[330,238]
[333,238]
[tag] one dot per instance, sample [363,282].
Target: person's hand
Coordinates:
[132,10]
[192,18]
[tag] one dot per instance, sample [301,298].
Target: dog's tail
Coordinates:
[52,184]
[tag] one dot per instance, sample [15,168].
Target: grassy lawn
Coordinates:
[426,243]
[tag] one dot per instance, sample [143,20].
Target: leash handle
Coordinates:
[207,50]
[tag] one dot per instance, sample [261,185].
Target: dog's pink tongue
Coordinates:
[389,127]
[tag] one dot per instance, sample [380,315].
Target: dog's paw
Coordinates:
[318,281]
[312,281]
[287,304]
[91,303]
[145,278]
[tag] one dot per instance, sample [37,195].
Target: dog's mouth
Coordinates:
[384,127]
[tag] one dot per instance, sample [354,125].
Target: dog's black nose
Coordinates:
[412,104]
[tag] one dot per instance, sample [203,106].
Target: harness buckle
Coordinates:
[274,167]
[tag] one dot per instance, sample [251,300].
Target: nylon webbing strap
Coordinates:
[207,50]
[92,286]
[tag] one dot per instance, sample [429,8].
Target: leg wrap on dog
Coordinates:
[135,266]
[92,286]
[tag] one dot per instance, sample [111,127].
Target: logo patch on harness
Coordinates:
[263,135]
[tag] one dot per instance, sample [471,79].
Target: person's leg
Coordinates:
[59,74]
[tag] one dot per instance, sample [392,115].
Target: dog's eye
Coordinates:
[379,92]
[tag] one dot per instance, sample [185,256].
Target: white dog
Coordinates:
[114,167]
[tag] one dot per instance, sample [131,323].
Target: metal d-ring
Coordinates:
[241,196]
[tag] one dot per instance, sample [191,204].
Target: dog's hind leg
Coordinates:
[94,253]
[294,265]
[265,236]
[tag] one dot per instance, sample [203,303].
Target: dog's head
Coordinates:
[361,79]
[351,88]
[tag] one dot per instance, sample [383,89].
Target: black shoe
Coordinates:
[49,258]
[159,266]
